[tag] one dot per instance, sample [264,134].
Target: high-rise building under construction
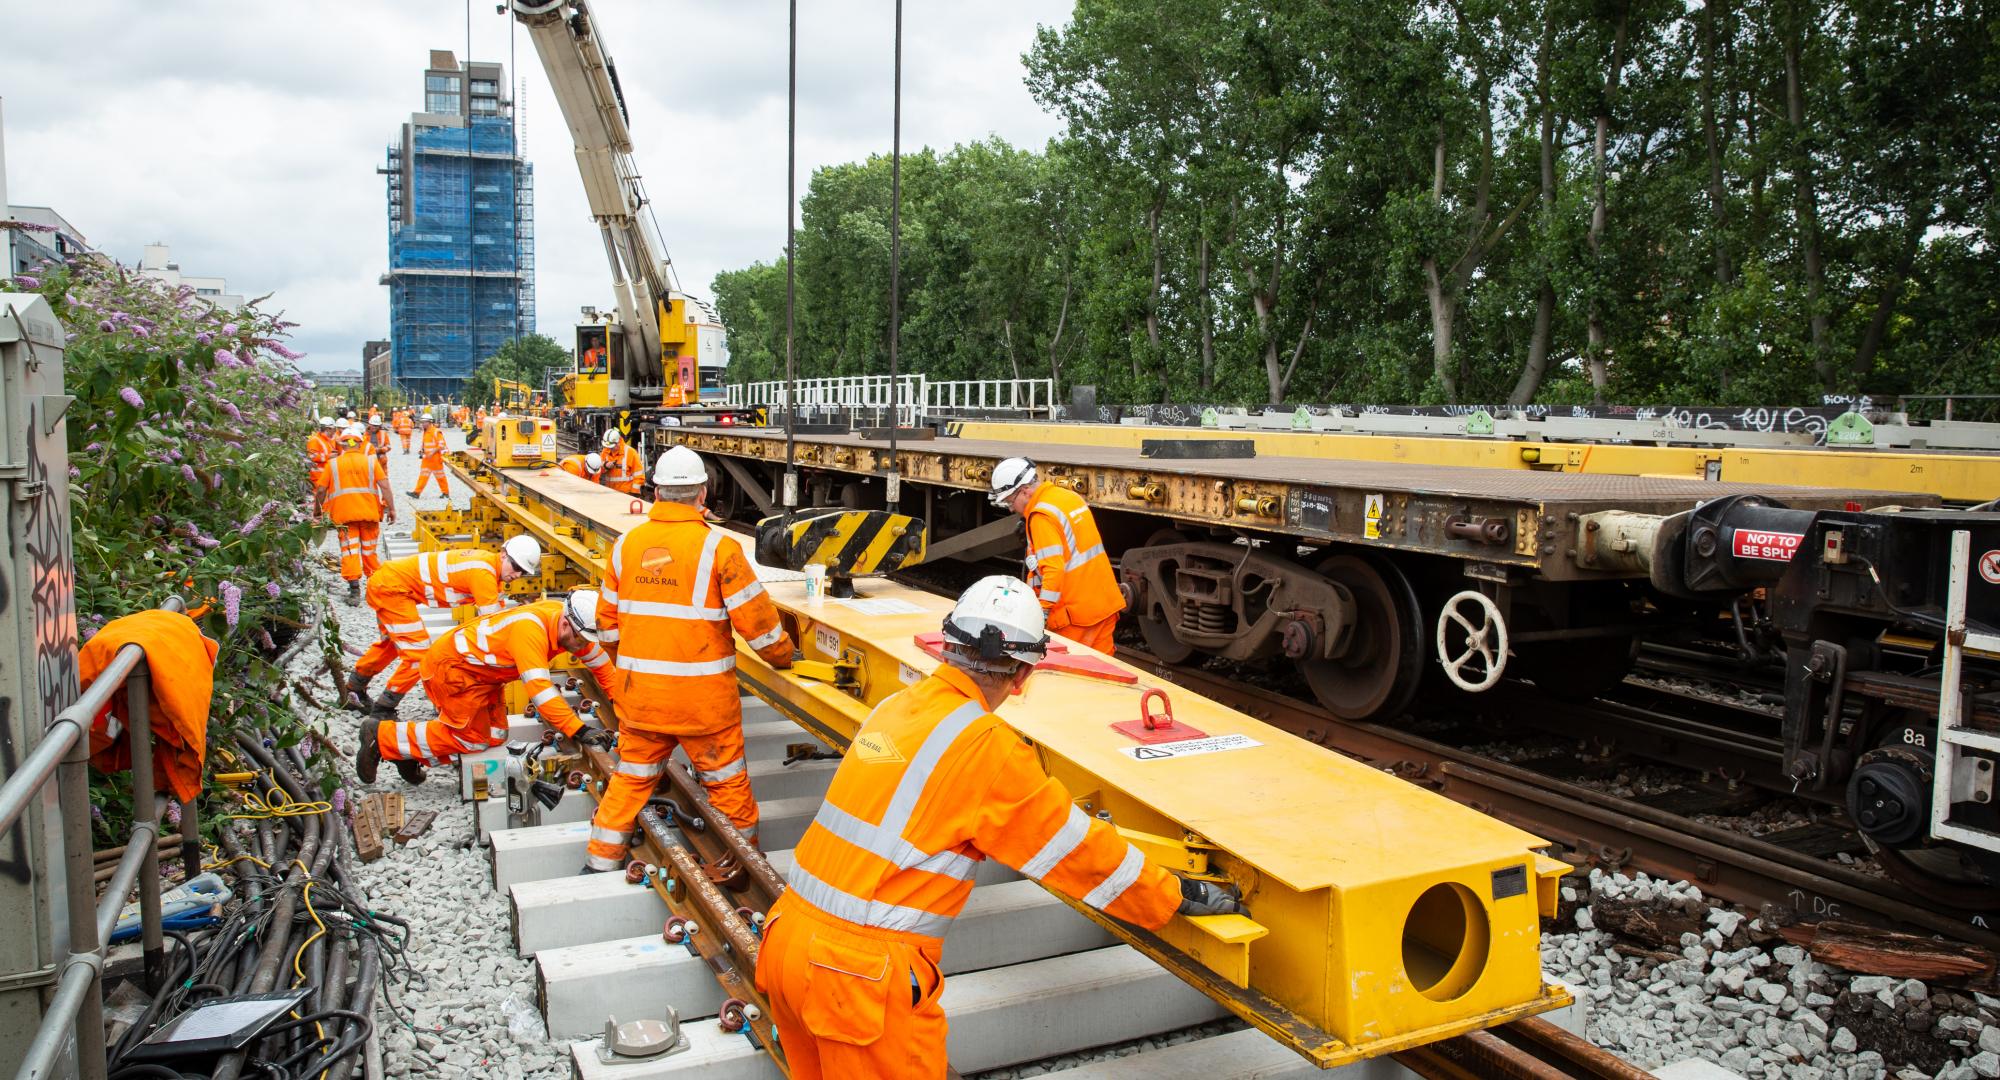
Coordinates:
[461,230]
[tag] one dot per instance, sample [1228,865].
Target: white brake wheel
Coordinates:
[1485,641]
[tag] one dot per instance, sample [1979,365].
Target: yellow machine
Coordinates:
[518,397]
[519,442]
[1381,916]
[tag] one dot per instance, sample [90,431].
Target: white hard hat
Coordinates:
[326,421]
[1010,476]
[356,431]
[428,418]
[593,461]
[374,420]
[525,553]
[679,467]
[997,617]
[581,611]
[611,438]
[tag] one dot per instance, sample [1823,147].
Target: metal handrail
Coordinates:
[63,754]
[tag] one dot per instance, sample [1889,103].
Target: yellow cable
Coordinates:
[298,968]
[276,804]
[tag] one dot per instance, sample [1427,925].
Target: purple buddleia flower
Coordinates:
[232,602]
[229,329]
[273,590]
[225,358]
[234,413]
[140,331]
[173,813]
[203,338]
[188,472]
[340,801]
[106,326]
[132,397]
[264,640]
[282,351]
[93,448]
[214,481]
[27,282]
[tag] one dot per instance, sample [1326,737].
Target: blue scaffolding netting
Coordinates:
[461,268]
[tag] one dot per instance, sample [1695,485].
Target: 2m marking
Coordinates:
[1770,546]
[1215,744]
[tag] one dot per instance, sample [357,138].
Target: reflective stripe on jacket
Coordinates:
[350,485]
[518,644]
[433,448]
[932,783]
[673,589]
[624,469]
[1066,560]
[320,449]
[442,579]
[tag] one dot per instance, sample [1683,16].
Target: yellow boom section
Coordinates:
[1381,916]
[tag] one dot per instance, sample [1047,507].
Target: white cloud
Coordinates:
[247,135]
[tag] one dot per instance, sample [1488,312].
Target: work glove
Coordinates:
[596,738]
[1207,898]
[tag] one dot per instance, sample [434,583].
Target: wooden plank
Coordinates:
[392,811]
[1870,951]
[367,826]
[419,824]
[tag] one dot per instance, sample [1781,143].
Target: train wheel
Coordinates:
[1889,799]
[724,497]
[1158,632]
[1384,662]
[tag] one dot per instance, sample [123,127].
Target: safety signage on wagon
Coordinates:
[1989,567]
[1214,744]
[1764,544]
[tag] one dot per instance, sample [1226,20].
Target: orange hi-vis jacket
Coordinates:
[624,469]
[518,644]
[442,579]
[673,588]
[1066,560]
[403,423]
[320,449]
[349,486]
[378,441]
[181,662]
[575,466]
[931,784]
[433,447]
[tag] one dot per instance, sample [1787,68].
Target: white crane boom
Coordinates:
[585,84]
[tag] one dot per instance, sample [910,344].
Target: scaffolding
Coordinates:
[461,251]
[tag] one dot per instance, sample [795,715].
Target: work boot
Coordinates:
[368,758]
[385,706]
[354,592]
[412,494]
[412,772]
[589,869]
[356,698]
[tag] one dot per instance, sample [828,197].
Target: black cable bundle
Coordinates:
[298,920]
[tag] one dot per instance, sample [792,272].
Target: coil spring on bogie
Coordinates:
[1205,618]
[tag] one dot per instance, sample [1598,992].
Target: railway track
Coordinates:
[1600,829]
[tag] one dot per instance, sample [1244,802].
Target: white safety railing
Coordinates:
[917,399]
[1956,776]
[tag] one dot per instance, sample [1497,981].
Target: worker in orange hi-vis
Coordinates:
[431,463]
[1066,560]
[674,589]
[587,466]
[374,414]
[404,426]
[181,660]
[624,467]
[932,783]
[353,492]
[323,443]
[378,440]
[439,579]
[466,673]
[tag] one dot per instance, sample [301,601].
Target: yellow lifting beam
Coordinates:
[1954,477]
[1380,916]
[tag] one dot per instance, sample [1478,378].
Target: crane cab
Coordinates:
[600,366]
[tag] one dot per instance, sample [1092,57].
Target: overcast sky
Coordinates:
[246,134]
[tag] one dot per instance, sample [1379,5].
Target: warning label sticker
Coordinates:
[827,641]
[1989,567]
[1371,519]
[1189,747]
[1775,546]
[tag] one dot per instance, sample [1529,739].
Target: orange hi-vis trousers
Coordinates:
[432,472]
[403,637]
[852,1001]
[472,716]
[1097,635]
[642,760]
[358,555]
[405,436]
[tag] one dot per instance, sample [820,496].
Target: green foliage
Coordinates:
[188,477]
[1347,202]
[526,359]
